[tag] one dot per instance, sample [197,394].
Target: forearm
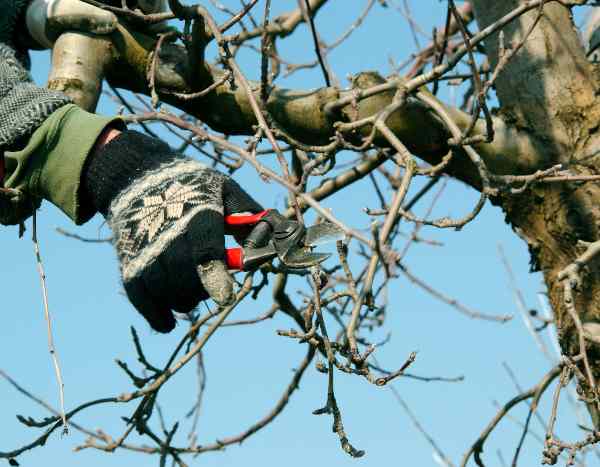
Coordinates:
[107,135]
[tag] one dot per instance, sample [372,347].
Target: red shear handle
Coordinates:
[245,219]
[234,258]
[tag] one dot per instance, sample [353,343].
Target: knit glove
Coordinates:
[166,212]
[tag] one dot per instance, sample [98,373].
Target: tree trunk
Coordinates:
[549,90]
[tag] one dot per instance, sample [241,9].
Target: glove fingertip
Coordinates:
[160,319]
[217,282]
[164,323]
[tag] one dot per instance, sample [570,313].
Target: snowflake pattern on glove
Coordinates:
[158,207]
[167,206]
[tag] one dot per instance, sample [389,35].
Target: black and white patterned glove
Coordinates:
[166,212]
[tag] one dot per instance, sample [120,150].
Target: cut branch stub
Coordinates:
[76,70]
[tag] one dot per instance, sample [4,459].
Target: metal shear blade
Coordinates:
[323,233]
[302,257]
[301,260]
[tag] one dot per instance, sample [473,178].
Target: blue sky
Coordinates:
[249,367]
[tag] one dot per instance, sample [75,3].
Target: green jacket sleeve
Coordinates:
[50,165]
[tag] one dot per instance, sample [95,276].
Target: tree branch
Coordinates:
[303,116]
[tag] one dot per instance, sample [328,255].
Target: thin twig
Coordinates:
[316,41]
[51,346]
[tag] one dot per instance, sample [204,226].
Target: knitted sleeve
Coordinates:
[23,105]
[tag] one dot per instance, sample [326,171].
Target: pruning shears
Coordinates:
[271,236]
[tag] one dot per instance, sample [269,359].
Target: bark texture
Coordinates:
[549,89]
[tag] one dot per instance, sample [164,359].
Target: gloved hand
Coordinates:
[166,212]
[47,19]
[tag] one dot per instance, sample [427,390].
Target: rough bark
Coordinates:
[549,89]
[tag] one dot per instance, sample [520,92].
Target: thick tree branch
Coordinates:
[302,115]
